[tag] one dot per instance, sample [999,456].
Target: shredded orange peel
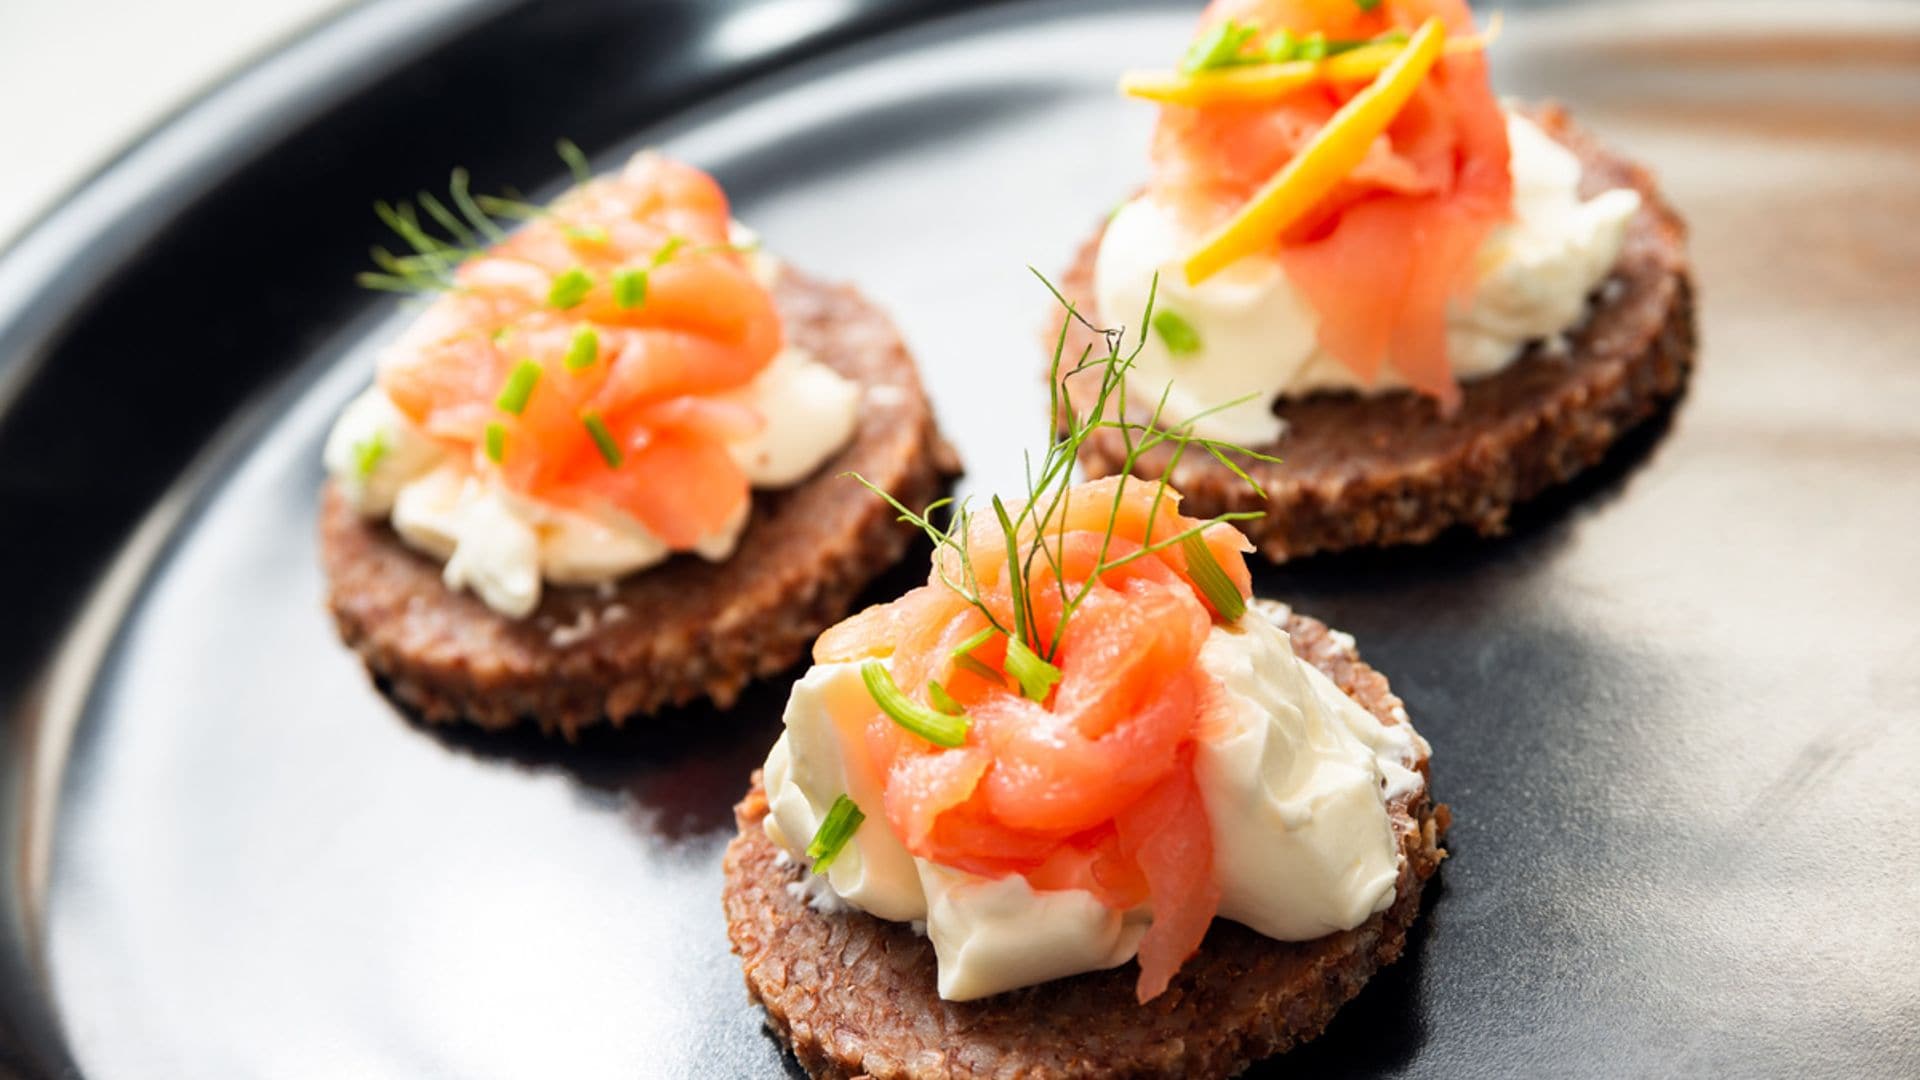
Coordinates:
[1255,83]
[1334,152]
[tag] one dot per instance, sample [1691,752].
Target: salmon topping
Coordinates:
[1383,252]
[1088,784]
[586,358]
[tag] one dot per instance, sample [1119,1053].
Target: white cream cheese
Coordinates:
[1258,336]
[1295,777]
[503,545]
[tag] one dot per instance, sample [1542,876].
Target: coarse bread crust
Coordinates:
[854,996]
[687,629]
[1383,469]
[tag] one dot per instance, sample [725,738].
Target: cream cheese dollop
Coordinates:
[1258,337]
[504,546]
[1295,776]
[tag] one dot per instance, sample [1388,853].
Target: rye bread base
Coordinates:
[686,629]
[1383,469]
[854,996]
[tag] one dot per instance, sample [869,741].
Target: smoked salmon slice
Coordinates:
[1092,786]
[582,358]
[1382,255]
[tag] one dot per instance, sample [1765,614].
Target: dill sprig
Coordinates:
[439,237]
[1034,531]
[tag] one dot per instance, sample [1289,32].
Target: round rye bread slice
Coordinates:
[680,631]
[854,996]
[1388,468]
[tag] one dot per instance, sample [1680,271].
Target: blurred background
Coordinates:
[141,59]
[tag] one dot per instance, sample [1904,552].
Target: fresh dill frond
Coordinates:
[1033,530]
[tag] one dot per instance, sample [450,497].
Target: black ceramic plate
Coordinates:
[1674,710]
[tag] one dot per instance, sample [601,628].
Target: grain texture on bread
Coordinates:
[687,629]
[854,996]
[1381,469]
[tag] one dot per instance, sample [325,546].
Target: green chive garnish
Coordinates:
[602,438]
[1035,676]
[838,827]
[520,383]
[943,700]
[1312,47]
[669,249]
[584,350]
[577,161]
[630,289]
[496,441]
[1179,336]
[569,288]
[1206,572]
[368,453]
[1217,48]
[1366,5]
[964,659]
[932,725]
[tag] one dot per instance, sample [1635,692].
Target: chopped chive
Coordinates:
[592,234]
[669,249]
[1176,333]
[943,700]
[1035,675]
[1280,46]
[520,383]
[602,438]
[569,288]
[1366,5]
[1311,47]
[368,453]
[936,727]
[577,161]
[842,821]
[630,289]
[496,441]
[964,659]
[1206,572]
[584,350]
[1217,48]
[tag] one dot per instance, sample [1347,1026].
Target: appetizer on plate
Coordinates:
[599,474]
[1432,305]
[1077,806]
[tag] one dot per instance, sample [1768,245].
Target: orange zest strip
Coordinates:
[1256,83]
[1334,152]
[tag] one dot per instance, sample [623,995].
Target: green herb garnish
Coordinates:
[1206,572]
[583,350]
[577,161]
[1217,48]
[570,287]
[938,728]
[943,700]
[629,289]
[842,821]
[368,453]
[964,659]
[1034,532]
[1176,333]
[1366,5]
[1232,44]
[520,383]
[1036,677]
[496,441]
[602,439]
[669,249]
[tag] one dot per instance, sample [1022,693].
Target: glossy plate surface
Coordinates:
[1673,711]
